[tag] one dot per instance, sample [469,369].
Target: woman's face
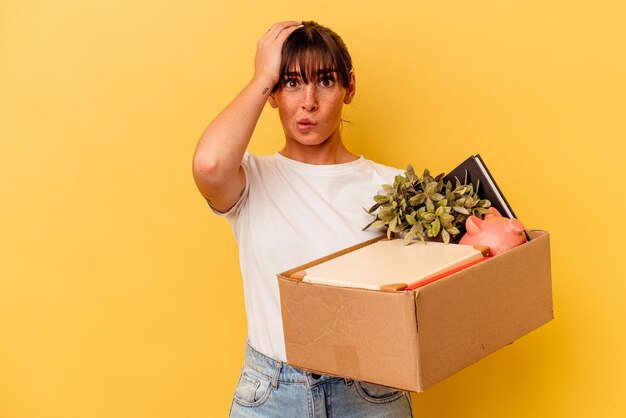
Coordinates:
[311,112]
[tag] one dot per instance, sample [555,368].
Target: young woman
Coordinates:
[292,207]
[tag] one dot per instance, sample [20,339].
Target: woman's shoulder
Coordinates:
[386,170]
[258,161]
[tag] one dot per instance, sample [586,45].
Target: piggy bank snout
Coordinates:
[515,227]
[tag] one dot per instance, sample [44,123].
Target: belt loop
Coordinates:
[279,365]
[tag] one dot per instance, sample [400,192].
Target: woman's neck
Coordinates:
[328,152]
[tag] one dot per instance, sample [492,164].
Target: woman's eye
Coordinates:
[291,83]
[327,82]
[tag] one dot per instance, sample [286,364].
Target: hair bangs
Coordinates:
[310,64]
[313,51]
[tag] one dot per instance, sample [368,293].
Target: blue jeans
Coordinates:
[269,388]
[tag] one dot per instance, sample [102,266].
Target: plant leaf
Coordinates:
[436,225]
[418,199]
[446,220]
[386,215]
[453,231]
[430,207]
[393,223]
[429,216]
[378,224]
[399,179]
[373,208]
[430,188]
[446,237]
[410,173]
[436,197]
[459,209]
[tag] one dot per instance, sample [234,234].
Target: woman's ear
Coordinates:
[272,101]
[351,89]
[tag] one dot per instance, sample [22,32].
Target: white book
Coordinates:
[390,262]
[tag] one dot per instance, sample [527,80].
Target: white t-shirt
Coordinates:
[291,213]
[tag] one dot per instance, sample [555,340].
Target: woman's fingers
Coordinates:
[284,34]
[278,27]
[269,49]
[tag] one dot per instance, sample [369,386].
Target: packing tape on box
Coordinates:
[346,358]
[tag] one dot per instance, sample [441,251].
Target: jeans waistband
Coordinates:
[279,371]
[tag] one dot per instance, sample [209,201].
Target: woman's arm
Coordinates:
[217,159]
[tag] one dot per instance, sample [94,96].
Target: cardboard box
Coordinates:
[415,339]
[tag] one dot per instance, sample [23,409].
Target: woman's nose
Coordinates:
[309,101]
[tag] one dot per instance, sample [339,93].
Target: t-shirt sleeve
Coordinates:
[236,208]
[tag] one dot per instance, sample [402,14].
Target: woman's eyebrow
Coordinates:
[322,72]
[326,72]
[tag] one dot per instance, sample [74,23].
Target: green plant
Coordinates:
[424,206]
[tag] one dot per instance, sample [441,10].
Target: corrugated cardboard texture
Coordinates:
[471,314]
[356,333]
[414,339]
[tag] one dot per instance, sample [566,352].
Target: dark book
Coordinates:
[478,174]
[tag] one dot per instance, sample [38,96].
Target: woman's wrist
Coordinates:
[264,83]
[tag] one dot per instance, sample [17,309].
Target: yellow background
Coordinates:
[120,293]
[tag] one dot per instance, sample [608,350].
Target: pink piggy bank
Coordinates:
[495,231]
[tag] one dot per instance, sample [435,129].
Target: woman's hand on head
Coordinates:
[269,50]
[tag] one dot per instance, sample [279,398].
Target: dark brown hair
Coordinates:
[313,50]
